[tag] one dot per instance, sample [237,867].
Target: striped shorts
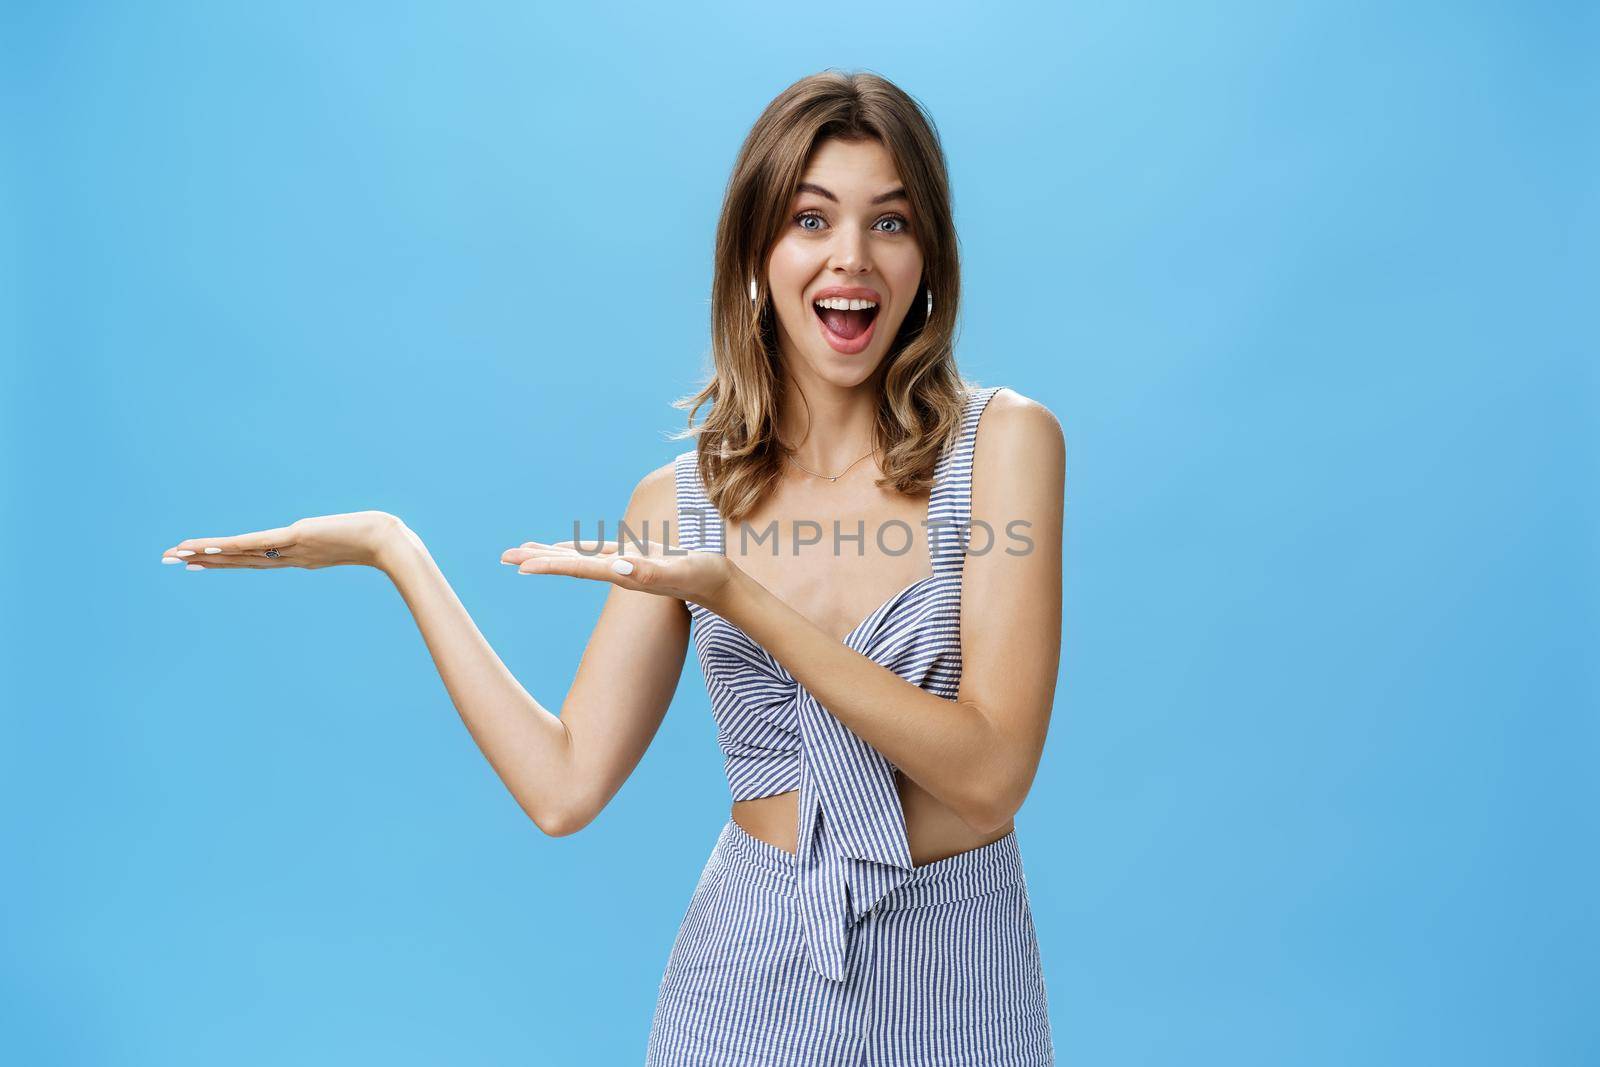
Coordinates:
[945,971]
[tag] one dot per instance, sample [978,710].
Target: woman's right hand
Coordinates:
[359,538]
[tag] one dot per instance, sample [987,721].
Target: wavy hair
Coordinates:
[919,413]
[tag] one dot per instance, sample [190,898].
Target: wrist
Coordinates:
[737,591]
[396,545]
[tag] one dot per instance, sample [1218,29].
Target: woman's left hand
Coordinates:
[702,577]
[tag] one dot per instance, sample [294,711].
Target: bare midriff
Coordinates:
[933,831]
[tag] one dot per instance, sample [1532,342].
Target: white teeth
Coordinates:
[839,303]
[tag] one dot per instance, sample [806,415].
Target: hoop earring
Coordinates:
[930,303]
[753,291]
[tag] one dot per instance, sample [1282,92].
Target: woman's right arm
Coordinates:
[561,770]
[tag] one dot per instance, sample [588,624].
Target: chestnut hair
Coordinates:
[923,394]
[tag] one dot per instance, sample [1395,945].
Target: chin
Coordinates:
[843,374]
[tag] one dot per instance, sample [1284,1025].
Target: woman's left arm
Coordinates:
[977,754]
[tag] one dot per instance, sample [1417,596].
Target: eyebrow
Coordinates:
[897,193]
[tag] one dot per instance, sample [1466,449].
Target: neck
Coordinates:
[828,427]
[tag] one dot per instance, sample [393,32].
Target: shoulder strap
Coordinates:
[699,525]
[950,508]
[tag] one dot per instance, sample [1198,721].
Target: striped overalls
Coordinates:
[845,953]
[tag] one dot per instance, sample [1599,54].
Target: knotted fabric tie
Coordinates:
[852,849]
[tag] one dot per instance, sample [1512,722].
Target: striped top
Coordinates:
[776,737]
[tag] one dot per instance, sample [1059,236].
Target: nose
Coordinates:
[850,254]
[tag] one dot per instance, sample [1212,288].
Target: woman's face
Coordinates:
[847,239]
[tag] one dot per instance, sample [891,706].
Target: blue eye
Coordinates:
[804,216]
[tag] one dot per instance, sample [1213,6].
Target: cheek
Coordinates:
[789,267]
[905,270]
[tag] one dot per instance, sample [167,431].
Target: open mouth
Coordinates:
[846,324]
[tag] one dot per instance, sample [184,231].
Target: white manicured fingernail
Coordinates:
[185,551]
[213,551]
[508,563]
[622,566]
[194,567]
[170,559]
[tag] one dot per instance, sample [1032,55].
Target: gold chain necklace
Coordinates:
[814,474]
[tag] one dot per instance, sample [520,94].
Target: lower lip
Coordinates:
[852,346]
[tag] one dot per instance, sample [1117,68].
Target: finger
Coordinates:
[515,556]
[242,562]
[633,547]
[636,572]
[535,548]
[280,558]
[589,548]
[259,541]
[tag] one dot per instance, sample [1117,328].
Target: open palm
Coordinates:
[647,567]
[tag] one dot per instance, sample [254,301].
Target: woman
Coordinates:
[866,551]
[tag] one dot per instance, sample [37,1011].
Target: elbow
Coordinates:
[995,786]
[554,827]
[989,818]
[990,806]
[559,826]
[560,823]
[556,806]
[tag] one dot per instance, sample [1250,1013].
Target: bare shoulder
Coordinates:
[1019,467]
[1019,486]
[655,502]
[1017,430]
[659,486]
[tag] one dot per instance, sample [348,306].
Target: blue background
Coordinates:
[1301,281]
